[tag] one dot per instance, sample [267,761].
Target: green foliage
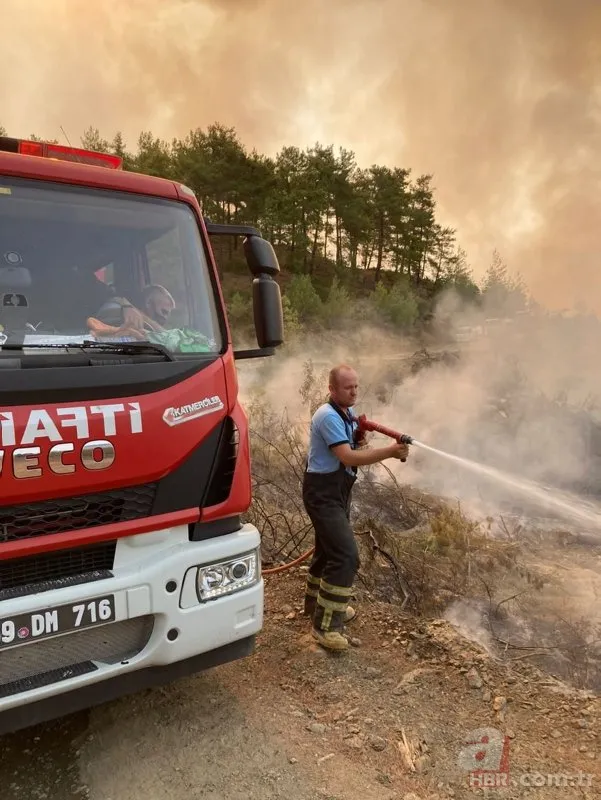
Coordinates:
[339,306]
[239,310]
[92,140]
[336,227]
[397,305]
[292,325]
[303,299]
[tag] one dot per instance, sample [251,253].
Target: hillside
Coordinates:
[500,631]
[386,720]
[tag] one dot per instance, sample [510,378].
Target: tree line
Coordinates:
[314,205]
[324,214]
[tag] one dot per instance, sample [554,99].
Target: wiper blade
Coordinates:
[130,348]
[127,348]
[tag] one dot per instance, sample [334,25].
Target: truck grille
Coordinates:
[220,484]
[39,573]
[61,515]
[30,665]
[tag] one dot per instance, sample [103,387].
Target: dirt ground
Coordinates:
[387,719]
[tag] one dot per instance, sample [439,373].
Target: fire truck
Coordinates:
[124,449]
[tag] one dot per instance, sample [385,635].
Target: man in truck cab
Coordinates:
[62,296]
[158,303]
[156,307]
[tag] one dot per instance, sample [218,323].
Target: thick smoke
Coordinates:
[522,399]
[498,99]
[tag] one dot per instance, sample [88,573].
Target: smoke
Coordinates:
[522,396]
[498,99]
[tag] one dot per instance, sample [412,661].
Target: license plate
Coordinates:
[47,622]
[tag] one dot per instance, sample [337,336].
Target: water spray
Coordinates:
[568,506]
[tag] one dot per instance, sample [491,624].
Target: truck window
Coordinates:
[164,257]
[74,257]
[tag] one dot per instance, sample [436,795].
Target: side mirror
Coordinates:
[260,256]
[267,301]
[267,312]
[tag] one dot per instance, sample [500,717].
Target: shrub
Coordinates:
[303,298]
[292,325]
[397,305]
[239,310]
[338,306]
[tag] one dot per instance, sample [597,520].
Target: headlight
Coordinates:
[226,577]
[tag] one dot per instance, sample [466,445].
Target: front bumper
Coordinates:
[160,630]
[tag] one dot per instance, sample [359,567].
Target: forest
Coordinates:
[352,241]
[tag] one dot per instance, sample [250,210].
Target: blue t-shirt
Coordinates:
[327,430]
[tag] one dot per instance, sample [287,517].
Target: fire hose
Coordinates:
[283,567]
[363,425]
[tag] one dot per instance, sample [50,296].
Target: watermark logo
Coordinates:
[484,757]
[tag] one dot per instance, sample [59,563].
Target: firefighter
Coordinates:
[330,473]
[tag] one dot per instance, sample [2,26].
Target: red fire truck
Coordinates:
[124,450]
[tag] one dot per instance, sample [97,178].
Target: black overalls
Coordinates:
[327,500]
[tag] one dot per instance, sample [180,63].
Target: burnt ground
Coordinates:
[385,720]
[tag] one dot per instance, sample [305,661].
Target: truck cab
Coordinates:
[124,449]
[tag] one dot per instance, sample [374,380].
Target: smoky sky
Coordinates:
[500,100]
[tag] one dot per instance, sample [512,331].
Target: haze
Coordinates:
[498,99]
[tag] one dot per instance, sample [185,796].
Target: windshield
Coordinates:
[82,264]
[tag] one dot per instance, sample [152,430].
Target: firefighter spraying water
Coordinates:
[335,453]
[568,506]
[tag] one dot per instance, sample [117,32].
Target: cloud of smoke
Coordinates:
[522,397]
[499,99]
[519,400]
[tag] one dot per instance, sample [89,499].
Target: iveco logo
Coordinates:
[61,459]
[32,443]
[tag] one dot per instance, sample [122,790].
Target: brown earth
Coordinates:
[385,720]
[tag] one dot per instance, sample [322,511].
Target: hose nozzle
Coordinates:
[368,425]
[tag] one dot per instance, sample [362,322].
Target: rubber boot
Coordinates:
[311,604]
[311,592]
[330,615]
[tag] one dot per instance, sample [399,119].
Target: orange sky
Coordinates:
[498,99]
